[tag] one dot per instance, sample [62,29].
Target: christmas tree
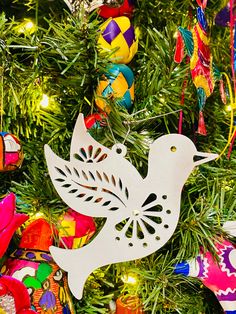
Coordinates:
[51,65]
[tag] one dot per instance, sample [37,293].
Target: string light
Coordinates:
[27,26]
[129,279]
[45,101]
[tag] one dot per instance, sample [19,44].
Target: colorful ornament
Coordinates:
[95,120]
[126,8]
[100,182]
[10,221]
[202,70]
[90,5]
[34,266]
[118,39]
[118,84]
[76,229]
[129,305]
[14,297]
[220,277]
[11,153]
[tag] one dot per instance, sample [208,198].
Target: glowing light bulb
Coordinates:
[44,101]
[228,108]
[129,279]
[27,26]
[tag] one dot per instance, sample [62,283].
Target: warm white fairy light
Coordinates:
[45,101]
[27,26]
[129,279]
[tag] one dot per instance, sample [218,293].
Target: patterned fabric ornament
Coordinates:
[76,229]
[14,297]
[100,182]
[95,120]
[11,153]
[219,278]
[34,266]
[117,84]
[10,221]
[202,70]
[126,8]
[118,38]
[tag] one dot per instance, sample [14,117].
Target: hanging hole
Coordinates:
[173,149]
[119,150]
[168,211]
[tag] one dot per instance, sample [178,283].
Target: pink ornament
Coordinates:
[220,277]
[76,229]
[9,222]
[14,297]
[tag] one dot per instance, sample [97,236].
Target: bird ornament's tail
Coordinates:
[75,262]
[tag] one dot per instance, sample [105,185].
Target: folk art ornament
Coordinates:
[204,73]
[33,265]
[218,276]
[10,221]
[119,39]
[141,213]
[11,153]
[14,297]
[129,305]
[75,229]
[117,84]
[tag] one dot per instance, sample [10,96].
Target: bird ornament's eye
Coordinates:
[173,149]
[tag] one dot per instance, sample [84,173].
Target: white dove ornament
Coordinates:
[142,213]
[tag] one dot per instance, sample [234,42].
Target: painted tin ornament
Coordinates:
[203,72]
[117,84]
[125,8]
[101,182]
[217,275]
[75,229]
[11,153]
[14,297]
[33,265]
[129,305]
[118,38]
[10,221]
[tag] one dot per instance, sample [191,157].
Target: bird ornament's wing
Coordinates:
[188,40]
[97,180]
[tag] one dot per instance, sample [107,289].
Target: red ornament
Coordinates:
[38,235]
[10,221]
[129,305]
[14,297]
[126,9]
[95,120]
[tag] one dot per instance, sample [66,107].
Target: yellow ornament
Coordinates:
[118,35]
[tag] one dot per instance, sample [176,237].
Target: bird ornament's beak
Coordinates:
[201,158]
